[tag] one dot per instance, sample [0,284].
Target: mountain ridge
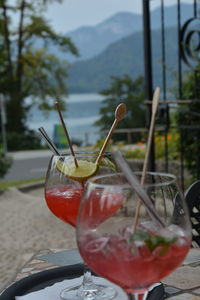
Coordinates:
[124,57]
[92,40]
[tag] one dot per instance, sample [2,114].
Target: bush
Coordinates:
[5,164]
[28,140]
[173,145]
[187,118]
[135,154]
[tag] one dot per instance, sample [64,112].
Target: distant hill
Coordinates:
[124,57]
[92,40]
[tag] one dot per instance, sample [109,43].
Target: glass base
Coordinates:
[91,292]
[138,296]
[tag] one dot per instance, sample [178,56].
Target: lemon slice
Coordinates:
[84,170]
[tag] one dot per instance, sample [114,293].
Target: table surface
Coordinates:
[183,284]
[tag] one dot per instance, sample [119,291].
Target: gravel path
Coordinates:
[26,226]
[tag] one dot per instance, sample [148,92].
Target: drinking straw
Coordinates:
[131,178]
[119,115]
[66,133]
[51,145]
[155,101]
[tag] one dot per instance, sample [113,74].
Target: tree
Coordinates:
[187,117]
[123,90]
[27,70]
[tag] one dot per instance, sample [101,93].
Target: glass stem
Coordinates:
[138,296]
[88,279]
[88,289]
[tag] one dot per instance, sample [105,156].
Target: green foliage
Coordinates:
[44,77]
[27,71]
[123,90]
[100,143]
[5,164]
[4,185]
[76,142]
[172,139]
[187,118]
[28,140]
[134,154]
[138,150]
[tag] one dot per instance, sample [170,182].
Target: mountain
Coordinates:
[92,40]
[125,57]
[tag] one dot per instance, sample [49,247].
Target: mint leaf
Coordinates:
[153,241]
[139,235]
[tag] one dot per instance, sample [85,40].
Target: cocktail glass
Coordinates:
[63,195]
[133,255]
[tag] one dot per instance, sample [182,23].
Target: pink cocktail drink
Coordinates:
[134,253]
[64,203]
[134,264]
[64,188]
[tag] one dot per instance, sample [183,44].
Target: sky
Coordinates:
[72,14]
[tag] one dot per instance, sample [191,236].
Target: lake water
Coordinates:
[82,112]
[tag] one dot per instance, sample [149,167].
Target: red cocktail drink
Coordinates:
[131,265]
[64,202]
[64,188]
[134,255]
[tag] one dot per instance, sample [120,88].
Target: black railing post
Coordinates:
[148,71]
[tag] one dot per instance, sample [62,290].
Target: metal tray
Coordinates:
[46,278]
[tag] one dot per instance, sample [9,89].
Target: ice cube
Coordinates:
[165,233]
[97,244]
[176,230]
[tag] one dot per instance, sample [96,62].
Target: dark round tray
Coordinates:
[46,278]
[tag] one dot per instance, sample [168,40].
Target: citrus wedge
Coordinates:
[84,170]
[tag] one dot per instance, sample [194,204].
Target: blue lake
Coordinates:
[82,112]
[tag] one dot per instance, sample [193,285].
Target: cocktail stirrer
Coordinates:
[155,101]
[119,115]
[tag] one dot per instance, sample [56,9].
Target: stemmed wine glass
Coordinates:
[133,255]
[63,194]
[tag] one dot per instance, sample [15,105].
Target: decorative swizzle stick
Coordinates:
[119,115]
[155,101]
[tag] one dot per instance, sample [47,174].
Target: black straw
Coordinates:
[66,133]
[51,145]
